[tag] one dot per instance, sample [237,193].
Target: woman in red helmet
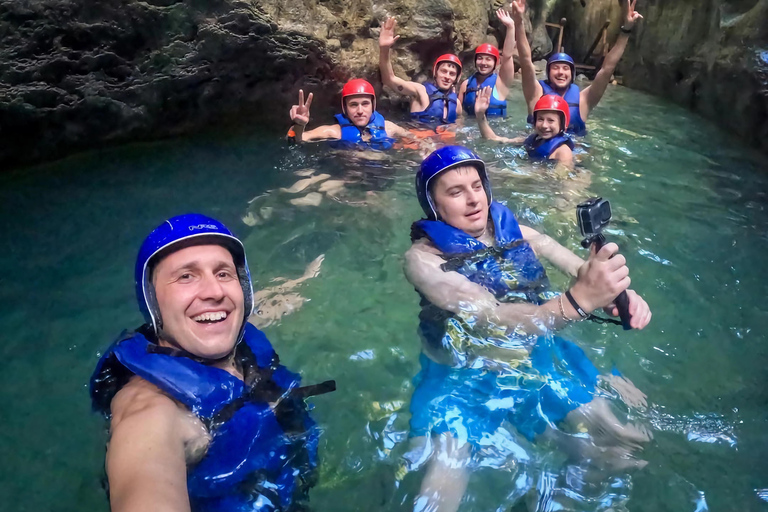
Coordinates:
[549,141]
[487,57]
[560,70]
[433,102]
[358,126]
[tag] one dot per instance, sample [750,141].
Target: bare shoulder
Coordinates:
[140,396]
[141,408]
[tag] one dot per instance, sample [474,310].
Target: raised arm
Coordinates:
[387,39]
[300,117]
[591,96]
[482,102]
[507,64]
[531,87]
[146,463]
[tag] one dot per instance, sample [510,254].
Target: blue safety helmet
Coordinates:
[561,57]
[439,161]
[192,229]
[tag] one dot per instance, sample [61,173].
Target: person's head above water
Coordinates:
[551,116]
[358,101]
[193,285]
[446,71]
[486,58]
[560,69]
[452,186]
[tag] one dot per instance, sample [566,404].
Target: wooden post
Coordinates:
[600,37]
[605,37]
[560,35]
[560,30]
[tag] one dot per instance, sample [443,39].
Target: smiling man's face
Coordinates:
[200,300]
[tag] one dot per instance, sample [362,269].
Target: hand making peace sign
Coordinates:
[300,112]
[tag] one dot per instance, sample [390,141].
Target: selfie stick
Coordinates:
[622,301]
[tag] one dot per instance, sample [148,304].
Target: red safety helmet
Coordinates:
[488,49]
[554,103]
[448,57]
[355,87]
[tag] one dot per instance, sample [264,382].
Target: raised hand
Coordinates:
[505,18]
[482,101]
[300,112]
[629,14]
[518,9]
[387,35]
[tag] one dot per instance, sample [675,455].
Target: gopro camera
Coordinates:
[593,215]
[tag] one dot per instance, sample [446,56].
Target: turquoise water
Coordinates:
[689,210]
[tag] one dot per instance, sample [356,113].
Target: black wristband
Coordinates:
[575,304]
[625,29]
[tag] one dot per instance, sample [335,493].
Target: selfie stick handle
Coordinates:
[622,301]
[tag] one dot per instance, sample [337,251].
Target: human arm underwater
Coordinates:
[300,117]
[591,95]
[395,130]
[417,92]
[146,460]
[532,89]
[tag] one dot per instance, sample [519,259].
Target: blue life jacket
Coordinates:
[576,126]
[498,108]
[352,136]
[260,457]
[541,149]
[509,270]
[437,102]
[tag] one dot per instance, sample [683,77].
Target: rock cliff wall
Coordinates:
[77,74]
[708,55]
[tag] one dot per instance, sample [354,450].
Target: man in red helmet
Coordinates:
[549,141]
[487,58]
[560,70]
[433,102]
[359,126]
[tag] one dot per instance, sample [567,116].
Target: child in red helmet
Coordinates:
[487,58]
[358,126]
[549,141]
[433,102]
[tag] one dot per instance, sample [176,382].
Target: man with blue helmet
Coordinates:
[486,323]
[202,414]
[561,72]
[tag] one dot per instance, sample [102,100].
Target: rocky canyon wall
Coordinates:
[78,74]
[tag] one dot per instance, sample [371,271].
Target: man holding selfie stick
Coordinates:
[487,323]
